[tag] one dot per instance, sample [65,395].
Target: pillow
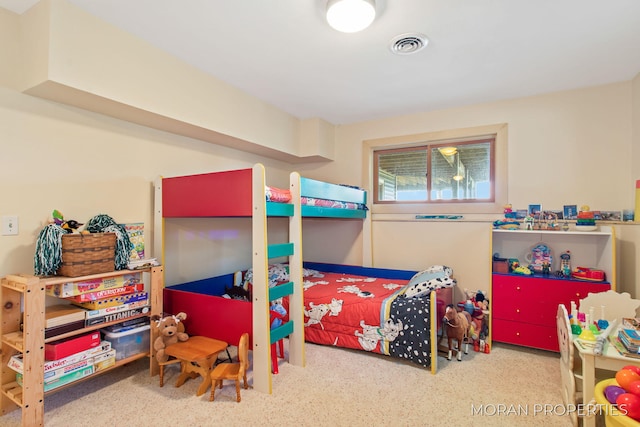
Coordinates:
[277,195]
[423,282]
[278,273]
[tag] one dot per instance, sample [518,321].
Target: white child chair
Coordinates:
[569,370]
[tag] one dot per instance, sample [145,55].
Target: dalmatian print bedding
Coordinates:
[370,314]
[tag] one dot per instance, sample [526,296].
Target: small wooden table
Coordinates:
[197,356]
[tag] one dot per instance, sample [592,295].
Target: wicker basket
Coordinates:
[84,254]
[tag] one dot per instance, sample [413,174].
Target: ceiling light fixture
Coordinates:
[350,16]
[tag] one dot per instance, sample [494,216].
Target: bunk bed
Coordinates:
[238,193]
[212,315]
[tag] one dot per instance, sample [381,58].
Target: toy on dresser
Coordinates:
[509,222]
[586,220]
[540,259]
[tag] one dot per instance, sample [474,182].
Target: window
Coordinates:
[414,174]
[458,171]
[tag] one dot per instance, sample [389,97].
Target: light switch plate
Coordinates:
[10,225]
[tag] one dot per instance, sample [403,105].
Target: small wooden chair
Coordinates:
[161,365]
[233,371]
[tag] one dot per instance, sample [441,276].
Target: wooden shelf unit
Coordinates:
[523,308]
[23,299]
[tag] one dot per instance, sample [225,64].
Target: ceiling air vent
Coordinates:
[406,44]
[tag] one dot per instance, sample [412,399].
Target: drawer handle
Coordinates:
[517,334]
[517,310]
[517,288]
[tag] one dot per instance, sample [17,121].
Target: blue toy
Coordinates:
[278,312]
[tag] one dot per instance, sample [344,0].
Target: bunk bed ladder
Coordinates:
[263,335]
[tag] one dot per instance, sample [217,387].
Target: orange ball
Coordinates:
[624,378]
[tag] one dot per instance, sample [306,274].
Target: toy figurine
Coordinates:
[545,267]
[565,264]
[528,222]
[538,256]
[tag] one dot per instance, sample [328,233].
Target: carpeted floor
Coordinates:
[511,386]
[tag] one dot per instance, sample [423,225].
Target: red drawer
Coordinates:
[525,334]
[534,299]
[518,299]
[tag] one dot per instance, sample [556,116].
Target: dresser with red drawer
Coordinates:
[523,308]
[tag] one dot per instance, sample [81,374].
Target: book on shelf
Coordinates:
[54,331]
[135,231]
[60,314]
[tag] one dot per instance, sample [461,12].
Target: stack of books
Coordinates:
[63,318]
[628,340]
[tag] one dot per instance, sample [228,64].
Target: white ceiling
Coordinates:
[283,52]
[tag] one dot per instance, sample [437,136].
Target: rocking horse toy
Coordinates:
[457,327]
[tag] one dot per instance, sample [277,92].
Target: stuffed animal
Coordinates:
[457,328]
[170,330]
[278,312]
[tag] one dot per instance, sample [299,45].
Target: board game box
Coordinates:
[68,346]
[17,364]
[114,301]
[56,382]
[121,315]
[65,290]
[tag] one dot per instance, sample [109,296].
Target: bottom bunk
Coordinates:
[393,312]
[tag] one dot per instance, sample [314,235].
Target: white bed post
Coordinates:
[296,300]
[158,222]
[433,309]
[367,241]
[261,318]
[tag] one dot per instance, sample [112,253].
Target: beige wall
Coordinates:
[81,163]
[567,147]
[570,147]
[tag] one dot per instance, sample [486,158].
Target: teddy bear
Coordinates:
[169,330]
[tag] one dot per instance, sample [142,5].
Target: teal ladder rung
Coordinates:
[281,331]
[279,250]
[279,209]
[280,291]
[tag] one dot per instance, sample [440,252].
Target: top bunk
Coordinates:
[231,193]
